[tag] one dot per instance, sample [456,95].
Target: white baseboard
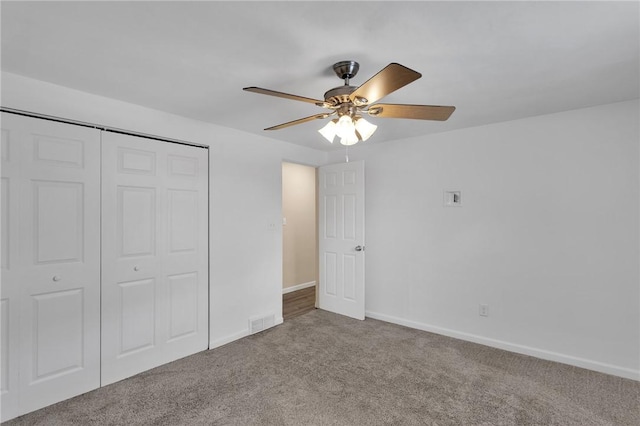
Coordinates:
[298,287]
[237,336]
[228,339]
[601,367]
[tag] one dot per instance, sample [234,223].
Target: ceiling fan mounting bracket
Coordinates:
[346,70]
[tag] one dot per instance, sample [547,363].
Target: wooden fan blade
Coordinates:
[282,95]
[389,79]
[417,112]
[299,121]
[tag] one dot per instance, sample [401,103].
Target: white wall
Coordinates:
[547,236]
[245,194]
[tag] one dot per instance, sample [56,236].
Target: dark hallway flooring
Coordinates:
[298,302]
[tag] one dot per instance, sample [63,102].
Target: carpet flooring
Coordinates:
[325,369]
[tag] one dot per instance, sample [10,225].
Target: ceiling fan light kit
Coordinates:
[348,103]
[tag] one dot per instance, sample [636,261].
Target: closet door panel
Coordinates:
[136,221]
[10,291]
[57,348]
[58,221]
[136,326]
[51,275]
[155,254]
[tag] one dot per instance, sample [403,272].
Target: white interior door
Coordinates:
[155,254]
[50,307]
[341,238]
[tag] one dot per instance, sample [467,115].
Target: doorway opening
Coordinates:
[299,240]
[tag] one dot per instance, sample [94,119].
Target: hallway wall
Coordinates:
[300,247]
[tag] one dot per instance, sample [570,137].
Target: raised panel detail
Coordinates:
[330,273]
[137,315]
[58,221]
[5,151]
[349,276]
[58,328]
[330,180]
[183,220]
[183,306]
[5,229]
[58,151]
[349,217]
[349,177]
[182,166]
[136,161]
[136,223]
[330,212]
[4,341]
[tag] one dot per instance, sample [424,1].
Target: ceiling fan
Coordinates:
[348,103]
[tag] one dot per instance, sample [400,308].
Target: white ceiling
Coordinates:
[495,61]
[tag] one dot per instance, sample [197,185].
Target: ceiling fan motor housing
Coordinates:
[339,95]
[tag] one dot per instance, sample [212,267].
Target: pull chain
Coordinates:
[346,155]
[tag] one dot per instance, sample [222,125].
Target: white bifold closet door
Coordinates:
[154,253]
[50,298]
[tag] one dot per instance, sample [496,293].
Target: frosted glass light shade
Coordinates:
[329,131]
[351,139]
[365,128]
[345,127]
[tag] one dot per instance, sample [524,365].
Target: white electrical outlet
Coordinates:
[484,310]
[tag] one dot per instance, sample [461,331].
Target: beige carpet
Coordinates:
[325,369]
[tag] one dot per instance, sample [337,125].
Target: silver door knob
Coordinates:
[135,268]
[359,248]
[57,278]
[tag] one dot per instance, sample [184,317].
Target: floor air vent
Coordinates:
[258,324]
